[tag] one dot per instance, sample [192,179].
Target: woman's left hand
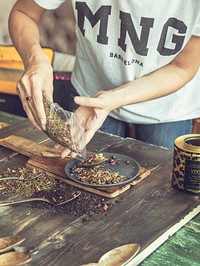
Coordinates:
[91,114]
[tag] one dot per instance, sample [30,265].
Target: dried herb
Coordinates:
[86,204]
[57,128]
[94,159]
[30,180]
[36,183]
[97,175]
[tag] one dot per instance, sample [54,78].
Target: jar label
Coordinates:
[192,174]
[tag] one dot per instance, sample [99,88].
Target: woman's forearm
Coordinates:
[163,81]
[155,85]
[25,33]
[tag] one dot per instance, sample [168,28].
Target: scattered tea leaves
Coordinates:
[30,181]
[36,183]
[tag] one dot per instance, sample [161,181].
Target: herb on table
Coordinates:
[36,183]
[30,180]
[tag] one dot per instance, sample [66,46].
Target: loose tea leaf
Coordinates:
[57,128]
[36,183]
[97,175]
[86,204]
[94,159]
[30,181]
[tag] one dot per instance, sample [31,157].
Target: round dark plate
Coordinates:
[130,170]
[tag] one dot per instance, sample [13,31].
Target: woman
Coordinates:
[134,64]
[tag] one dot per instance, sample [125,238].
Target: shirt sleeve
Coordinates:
[196,30]
[49,4]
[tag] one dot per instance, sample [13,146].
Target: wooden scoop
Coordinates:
[9,242]
[14,258]
[84,162]
[119,256]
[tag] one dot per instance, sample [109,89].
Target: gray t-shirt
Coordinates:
[122,40]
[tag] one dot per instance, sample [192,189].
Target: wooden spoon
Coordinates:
[119,256]
[84,162]
[48,154]
[7,243]
[14,258]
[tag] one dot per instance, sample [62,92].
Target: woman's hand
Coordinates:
[91,114]
[23,22]
[36,80]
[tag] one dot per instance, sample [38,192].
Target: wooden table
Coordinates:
[147,214]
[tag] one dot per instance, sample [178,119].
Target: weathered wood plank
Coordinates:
[24,146]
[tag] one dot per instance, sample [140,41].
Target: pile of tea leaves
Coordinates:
[36,183]
[26,181]
[86,204]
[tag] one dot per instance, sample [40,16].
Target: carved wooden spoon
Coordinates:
[118,256]
[9,242]
[90,161]
[14,258]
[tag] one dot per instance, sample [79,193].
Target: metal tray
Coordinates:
[130,170]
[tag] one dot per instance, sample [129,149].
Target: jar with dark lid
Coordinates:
[186,163]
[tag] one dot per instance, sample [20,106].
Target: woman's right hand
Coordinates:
[36,80]
[23,24]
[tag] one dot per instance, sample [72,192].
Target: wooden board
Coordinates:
[55,166]
[24,146]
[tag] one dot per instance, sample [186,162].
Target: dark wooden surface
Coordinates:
[56,166]
[140,215]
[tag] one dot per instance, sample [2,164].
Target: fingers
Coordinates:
[78,135]
[28,104]
[37,78]
[31,96]
[63,152]
[39,109]
[89,135]
[90,102]
[80,140]
[66,153]
[37,88]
